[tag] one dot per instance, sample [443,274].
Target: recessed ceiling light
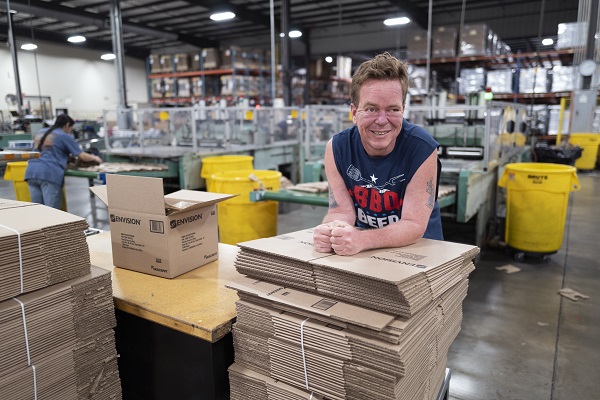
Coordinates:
[108,56]
[222,16]
[329,59]
[76,39]
[28,46]
[547,41]
[295,34]
[396,21]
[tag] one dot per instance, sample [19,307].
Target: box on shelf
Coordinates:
[155,65]
[531,81]
[476,40]
[184,87]
[416,47]
[418,78]
[500,80]
[211,58]
[443,42]
[320,69]
[166,61]
[571,35]
[472,80]
[564,78]
[344,67]
[162,88]
[182,62]
[157,234]
[234,57]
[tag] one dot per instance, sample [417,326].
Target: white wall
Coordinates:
[74,78]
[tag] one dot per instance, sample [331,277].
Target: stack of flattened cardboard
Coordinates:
[58,331]
[60,342]
[95,353]
[382,332]
[39,246]
[399,281]
[246,384]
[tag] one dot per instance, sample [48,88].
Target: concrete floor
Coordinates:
[519,338]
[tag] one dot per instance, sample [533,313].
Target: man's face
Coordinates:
[378,115]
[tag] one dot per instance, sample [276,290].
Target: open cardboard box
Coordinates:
[162,235]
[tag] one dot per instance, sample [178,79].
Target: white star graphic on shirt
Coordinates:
[373,178]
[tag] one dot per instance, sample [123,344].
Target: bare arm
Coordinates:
[87,157]
[341,209]
[418,203]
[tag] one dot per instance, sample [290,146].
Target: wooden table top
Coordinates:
[196,303]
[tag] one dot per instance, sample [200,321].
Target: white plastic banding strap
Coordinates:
[303,355]
[34,383]
[27,347]
[20,252]
[25,329]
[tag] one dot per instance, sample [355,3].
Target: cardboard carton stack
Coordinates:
[39,246]
[59,339]
[382,332]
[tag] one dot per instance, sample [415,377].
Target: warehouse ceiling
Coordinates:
[151,26]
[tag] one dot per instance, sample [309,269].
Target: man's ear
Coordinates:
[353,113]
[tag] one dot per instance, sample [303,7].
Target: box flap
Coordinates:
[135,193]
[185,200]
[100,192]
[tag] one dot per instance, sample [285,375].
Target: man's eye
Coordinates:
[372,110]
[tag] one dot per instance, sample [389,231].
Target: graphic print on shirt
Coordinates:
[376,205]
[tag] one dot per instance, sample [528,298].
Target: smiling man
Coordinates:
[383,172]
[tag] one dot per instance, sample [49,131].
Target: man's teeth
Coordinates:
[379,133]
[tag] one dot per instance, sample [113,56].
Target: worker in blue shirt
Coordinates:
[45,175]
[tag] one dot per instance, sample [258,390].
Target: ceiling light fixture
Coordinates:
[222,16]
[396,21]
[76,39]
[329,59]
[547,41]
[28,46]
[108,56]
[295,34]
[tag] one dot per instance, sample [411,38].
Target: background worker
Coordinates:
[383,172]
[45,175]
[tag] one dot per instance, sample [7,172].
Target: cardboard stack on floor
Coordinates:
[56,311]
[376,325]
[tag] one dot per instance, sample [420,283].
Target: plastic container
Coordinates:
[589,142]
[15,171]
[537,197]
[215,164]
[240,219]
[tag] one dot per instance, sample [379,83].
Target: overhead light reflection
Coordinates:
[76,39]
[396,21]
[29,46]
[222,16]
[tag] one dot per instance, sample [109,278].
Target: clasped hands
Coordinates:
[337,236]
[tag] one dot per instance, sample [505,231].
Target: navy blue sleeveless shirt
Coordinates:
[377,184]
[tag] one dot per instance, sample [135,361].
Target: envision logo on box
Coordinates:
[126,220]
[177,222]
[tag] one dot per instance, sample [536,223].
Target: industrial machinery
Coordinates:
[181,137]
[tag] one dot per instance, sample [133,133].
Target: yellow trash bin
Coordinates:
[589,142]
[239,218]
[216,164]
[537,196]
[15,171]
